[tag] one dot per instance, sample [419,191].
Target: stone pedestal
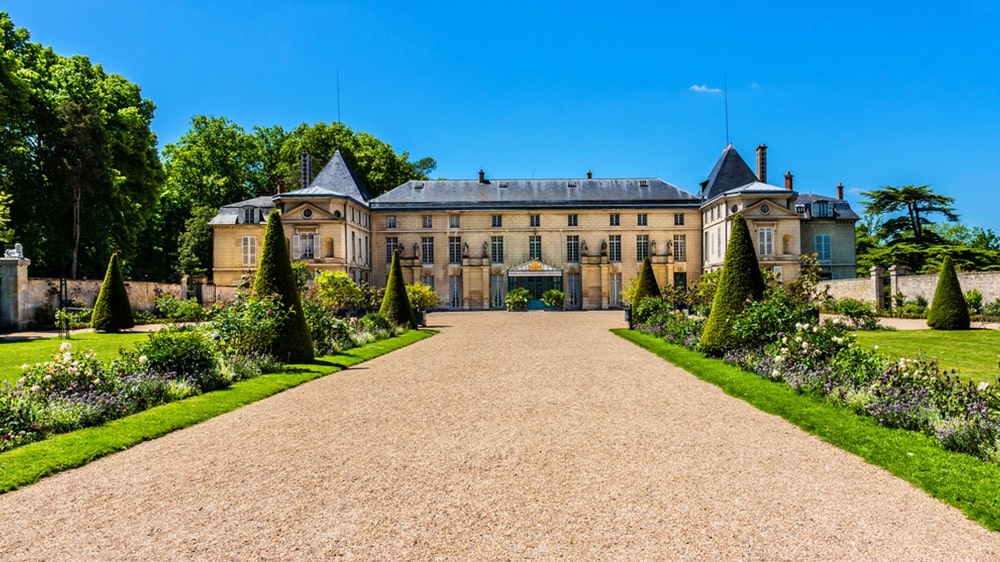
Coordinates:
[13,293]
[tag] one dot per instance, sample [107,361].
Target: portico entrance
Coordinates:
[537,277]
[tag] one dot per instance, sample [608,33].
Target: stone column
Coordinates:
[895,272]
[14,293]
[877,299]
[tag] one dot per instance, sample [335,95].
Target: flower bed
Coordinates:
[824,360]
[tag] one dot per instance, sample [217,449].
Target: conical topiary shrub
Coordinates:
[395,304]
[274,275]
[741,280]
[112,311]
[948,309]
[646,285]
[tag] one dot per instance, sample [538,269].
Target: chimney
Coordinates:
[840,191]
[590,175]
[281,186]
[788,180]
[482,176]
[762,163]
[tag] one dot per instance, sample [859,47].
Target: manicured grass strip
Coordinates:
[15,354]
[957,479]
[972,353]
[34,461]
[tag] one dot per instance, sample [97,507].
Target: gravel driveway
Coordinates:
[508,436]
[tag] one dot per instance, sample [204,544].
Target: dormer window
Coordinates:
[250,215]
[821,209]
[504,184]
[643,183]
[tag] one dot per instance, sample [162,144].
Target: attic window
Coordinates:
[419,186]
[571,184]
[800,209]
[643,183]
[504,184]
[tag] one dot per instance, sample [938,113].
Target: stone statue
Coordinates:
[486,250]
[416,250]
[670,247]
[465,250]
[604,248]
[652,247]
[583,248]
[17,252]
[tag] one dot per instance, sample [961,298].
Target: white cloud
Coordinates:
[705,89]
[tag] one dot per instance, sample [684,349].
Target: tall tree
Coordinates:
[76,155]
[915,202]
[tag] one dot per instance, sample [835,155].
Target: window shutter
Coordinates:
[296,247]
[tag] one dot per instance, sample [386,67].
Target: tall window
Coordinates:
[571,220]
[249,251]
[680,247]
[428,221]
[573,249]
[497,221]
[535,247]
[678,219]
[455,292]
[616,219]
[427,249]
[640,219]
[302,246]
[641,247]
[428,280]
[615,289]
[535,220]
[823,249]
[391,243]
[454,249]
[453,221]
[765,240]
[390,221]
[496,249]
[497,292]
[615,248]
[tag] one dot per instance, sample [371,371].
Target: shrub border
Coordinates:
[30,463]
[959,480]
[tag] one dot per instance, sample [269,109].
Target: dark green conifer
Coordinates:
[112,311]
[395,304]
[948,309]
[646,285]
[741,281]
[274,275]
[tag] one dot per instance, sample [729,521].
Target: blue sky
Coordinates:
[864,93]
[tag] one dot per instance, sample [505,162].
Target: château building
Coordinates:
[474,240]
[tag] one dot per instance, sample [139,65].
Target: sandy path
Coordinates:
[507,436]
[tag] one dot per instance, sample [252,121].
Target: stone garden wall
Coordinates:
[870,289]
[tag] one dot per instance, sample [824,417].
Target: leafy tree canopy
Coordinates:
[77,157]
[914,203]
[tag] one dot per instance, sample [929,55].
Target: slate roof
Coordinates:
[530,193]
[233,212]
[841,209]
[730,172]
[336,179]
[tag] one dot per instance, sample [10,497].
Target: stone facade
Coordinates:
[473,240]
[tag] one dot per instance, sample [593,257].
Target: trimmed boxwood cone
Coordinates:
[741,281]
[274,275]
[948,309]
[112,311]
[646,285]
[395,304]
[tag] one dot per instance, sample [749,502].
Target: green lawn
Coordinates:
[29,463]
[15,354]
[963,481]
[972,353]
